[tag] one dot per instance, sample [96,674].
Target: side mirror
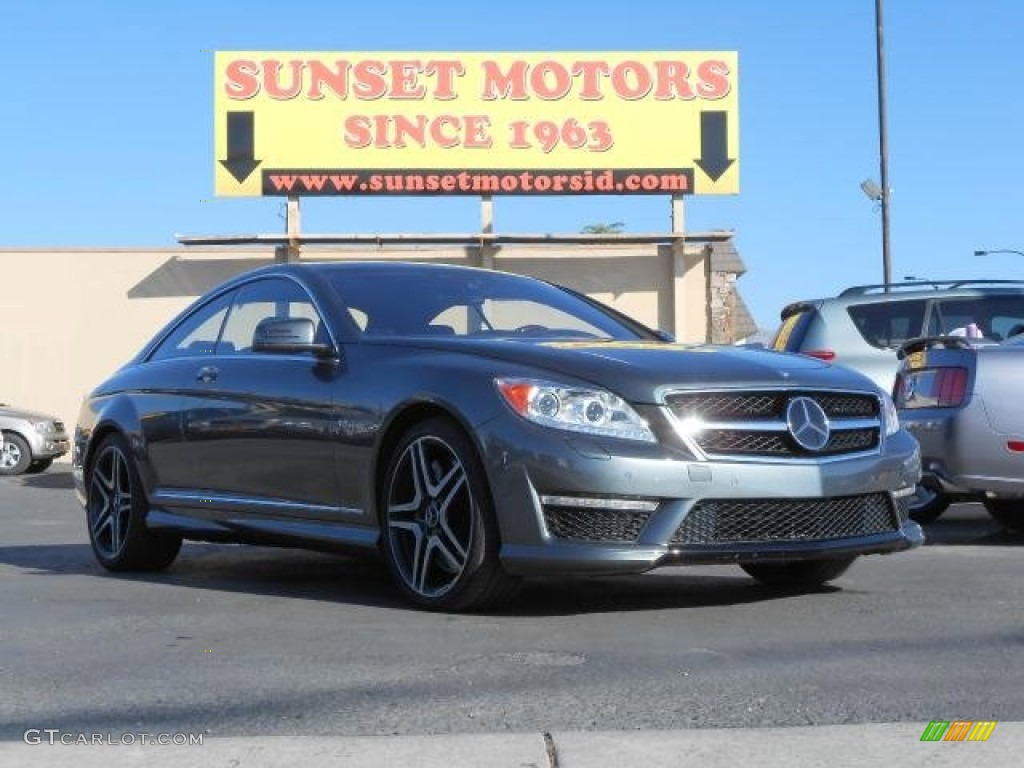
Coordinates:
[665,336]
[288,335]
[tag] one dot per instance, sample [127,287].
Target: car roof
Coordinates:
[868,294]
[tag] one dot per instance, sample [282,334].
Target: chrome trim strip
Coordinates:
[837,424]
[791,459]
[232,500]
[791,388]
[595,502]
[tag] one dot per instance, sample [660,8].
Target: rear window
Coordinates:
[888,324]
[790,335]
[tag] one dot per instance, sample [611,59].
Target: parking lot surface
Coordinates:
[244,642]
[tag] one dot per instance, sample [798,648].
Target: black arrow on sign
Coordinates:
[714,138]
[241,160]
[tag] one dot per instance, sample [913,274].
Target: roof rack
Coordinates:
[858,290]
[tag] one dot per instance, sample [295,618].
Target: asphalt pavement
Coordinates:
[276,654]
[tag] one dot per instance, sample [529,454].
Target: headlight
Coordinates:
[592,411]
[892,417]
[44,427]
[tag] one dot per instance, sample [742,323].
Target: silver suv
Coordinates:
[862,327]
[31,441]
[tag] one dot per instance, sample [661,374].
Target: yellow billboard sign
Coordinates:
[316,123]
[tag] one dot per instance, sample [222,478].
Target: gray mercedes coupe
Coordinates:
[474,428]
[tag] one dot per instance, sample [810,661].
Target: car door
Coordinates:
[262,436]
[168,385]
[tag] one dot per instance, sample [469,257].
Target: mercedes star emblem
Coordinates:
[807,423]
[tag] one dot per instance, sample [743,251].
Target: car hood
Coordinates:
[641,371]
[17,413]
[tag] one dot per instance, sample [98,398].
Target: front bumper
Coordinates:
[673,485]
[51,446]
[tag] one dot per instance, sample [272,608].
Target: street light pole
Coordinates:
[998,250]
[883,146]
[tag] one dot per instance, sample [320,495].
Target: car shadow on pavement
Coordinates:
[646,592]
[969,525]
[304,575]
[51,480]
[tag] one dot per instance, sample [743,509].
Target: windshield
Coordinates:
[471,303]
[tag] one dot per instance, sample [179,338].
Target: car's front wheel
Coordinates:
[116,514]
[802,574]
[1009,513]
[927,503]
[16,456]
[440,536]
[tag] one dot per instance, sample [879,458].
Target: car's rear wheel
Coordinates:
[1009,513]
[39,466]
[16,455]
[116,514]
[927,503]
[440,536]
[802,574]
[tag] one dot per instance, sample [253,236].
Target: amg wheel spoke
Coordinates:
[106,481]
[453,540]
[453,482]
[455,563]
[115,533]
[421,467]
[102,521]
[421,563]
[448,484]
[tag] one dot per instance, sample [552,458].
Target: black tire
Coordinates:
[1009,513]
[438,529]
[799,575]
[38,466]
[116,513]
[16,457]
[927,504]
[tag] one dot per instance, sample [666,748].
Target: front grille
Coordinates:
[719,406]
[594,524]
[838,405]
[748,424]
[58,426]
[726,406]
[851,440]
[722,521]
[744,441]
[759,443]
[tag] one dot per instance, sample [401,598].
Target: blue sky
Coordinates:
[107,125]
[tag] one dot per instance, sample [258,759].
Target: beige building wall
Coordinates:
[73,316]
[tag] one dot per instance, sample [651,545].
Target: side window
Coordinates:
[887,324]
[273,297]
[197,334]
[996,317]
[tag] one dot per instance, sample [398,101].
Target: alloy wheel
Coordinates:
[110,502]
[10,456]
[431,516]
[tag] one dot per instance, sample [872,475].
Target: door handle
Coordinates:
[207,374]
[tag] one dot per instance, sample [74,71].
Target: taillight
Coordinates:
[822,354]
[931,388]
